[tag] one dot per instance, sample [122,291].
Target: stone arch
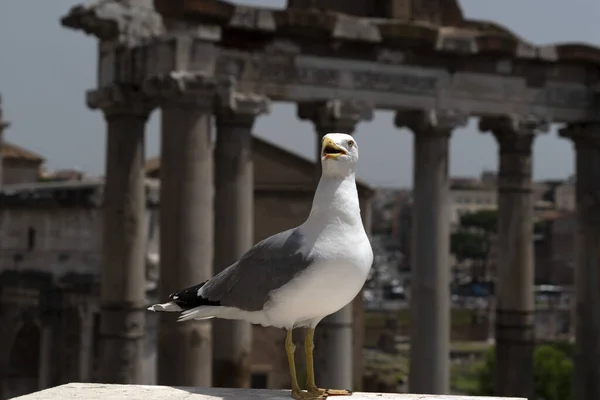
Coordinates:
[23,366]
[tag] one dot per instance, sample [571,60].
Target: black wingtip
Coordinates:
[188,298]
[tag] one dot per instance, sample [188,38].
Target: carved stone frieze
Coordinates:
[299,77]
[335,115]
[431,122]
[282,73]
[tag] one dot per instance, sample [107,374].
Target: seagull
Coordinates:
[295,278]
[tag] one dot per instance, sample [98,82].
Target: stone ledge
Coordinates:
[95,391]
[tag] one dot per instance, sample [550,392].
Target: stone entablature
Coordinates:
[504,76]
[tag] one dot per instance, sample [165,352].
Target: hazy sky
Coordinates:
[45,70]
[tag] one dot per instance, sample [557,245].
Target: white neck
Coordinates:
[336,199]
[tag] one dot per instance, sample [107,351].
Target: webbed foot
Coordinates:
[329,392]
[302,395]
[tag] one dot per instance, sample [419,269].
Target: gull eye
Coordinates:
[350,143]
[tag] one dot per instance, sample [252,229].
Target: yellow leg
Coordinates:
[309,346]
[297,393]
[311,386]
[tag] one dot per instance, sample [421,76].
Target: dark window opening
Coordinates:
[259,381]
[30,238]
[17,258]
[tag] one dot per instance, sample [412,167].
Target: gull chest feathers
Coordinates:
[340,268]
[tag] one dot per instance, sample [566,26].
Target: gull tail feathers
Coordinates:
[168,307]
[199,313]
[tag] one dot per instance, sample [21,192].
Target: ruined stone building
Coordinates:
[50,247]
[50,263]
[18,164]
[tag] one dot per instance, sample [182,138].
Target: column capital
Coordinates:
[116,101]
[335,115]
[437,122]
[583,134]
[514,133]
[182,90]
[238,108]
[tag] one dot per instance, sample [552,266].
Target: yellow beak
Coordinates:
[331,150]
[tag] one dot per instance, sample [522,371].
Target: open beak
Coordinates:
[331,150]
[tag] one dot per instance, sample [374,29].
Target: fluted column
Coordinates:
[122,293]
[3,125]
[186,222]
[515,305]
[586,139]
[333,116]
[333,353]
[430,269]
[234,224]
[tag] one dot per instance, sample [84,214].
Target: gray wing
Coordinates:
[267,266]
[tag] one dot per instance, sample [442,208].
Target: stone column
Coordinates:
[3,125]
[122,296]
[234,224]
[86,345]
[333,116]
[333,355]
[515,305]
[45,371]
[586,138]
[186,222]
[430,254]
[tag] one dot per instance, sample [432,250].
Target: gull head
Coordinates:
[339,153]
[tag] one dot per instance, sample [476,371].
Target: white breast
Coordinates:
[325,287]
[336,239]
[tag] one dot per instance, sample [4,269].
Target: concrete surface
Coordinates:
[95,391]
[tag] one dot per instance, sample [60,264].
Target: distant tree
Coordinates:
[552,371]
[466,245]
[472,239]
[485,221]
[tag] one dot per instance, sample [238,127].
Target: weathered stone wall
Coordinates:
[57,240]
[19,172]
[49,275]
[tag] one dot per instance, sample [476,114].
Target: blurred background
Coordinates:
[53,151]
